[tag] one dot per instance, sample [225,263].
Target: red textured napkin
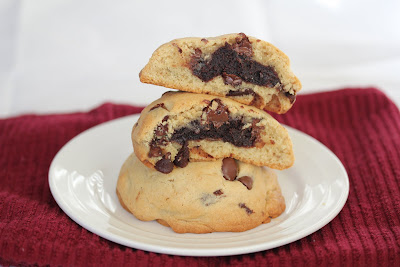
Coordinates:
[361,126]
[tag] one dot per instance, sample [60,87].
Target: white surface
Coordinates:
[60,56]
[83,178]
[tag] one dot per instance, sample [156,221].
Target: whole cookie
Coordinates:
[201,198]
[244,68]
[181,127]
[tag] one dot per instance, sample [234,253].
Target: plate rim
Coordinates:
[205,252]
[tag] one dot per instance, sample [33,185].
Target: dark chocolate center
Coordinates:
[233,60]
[230,131]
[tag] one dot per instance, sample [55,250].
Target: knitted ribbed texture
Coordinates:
[361,126]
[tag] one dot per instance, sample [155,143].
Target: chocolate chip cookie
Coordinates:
[181,127]
[218,196]
[240,67]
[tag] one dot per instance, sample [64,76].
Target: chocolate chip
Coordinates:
[243,45]
[218,192]
[217,116]
[229,169]
[160,105]
[246,91]
[154,151]
[231,79]
[246,181]
[182,158]
[243,206]
[204,40]
[165,164]
[165,118]
[161,129]
[292,98]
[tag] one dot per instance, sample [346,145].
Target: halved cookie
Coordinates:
[181,127]
[246,69]
[198,199]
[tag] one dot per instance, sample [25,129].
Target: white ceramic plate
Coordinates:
[84,173]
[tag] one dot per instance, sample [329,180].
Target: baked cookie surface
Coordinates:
[183,127]
[246,69]
[204,197]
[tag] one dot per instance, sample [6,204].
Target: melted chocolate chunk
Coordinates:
[246,181]
[160,105]
[159,139]
[155,151]
[218,192]
[231,79]
[292,98]
[246,91]
[161,129]
[233,59]
[243,45]
[182,158]
[165,164]
[217,116]
[165,118]
[243,206]
[204,40]
[229,169]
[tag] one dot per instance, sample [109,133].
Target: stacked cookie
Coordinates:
[199,155]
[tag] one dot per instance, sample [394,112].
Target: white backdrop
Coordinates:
[64,56]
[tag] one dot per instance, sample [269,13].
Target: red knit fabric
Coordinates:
[361,126]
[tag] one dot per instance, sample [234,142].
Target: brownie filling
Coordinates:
[217,124]
[233,62]
[230,131]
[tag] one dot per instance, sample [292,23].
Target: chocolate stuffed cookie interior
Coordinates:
[210,131]
[246,69]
